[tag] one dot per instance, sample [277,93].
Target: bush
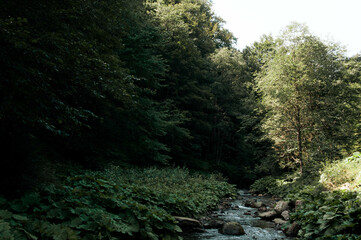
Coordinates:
[117,204]
[175,189]
[265,185]
[324,214]
[285,185]
[330,215]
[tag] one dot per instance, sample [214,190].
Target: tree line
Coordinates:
[159,82]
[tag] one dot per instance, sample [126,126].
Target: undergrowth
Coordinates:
[330,215]
[344,174]
[331,206]
[115,204]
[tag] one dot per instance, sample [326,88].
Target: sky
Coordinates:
[335,20]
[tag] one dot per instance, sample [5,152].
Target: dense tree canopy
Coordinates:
[312,107]
[95,94]
[126,82]
[159,82]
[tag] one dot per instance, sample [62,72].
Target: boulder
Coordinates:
[232,228]
[286,215]
[263,224]
[258,204]
[270,215]
[213,223]
[263,209]
[281,206]
[292,231]
[249,203]
[189,224]
[226,204]
[279,221]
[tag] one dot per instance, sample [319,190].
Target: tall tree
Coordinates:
[307,98]
[192,33]
[237,141]
[353,76]
[81,88]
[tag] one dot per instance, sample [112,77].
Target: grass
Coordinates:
[344,174]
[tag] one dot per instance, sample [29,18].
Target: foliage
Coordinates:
[266,185]
[257,55]
[237,140]
[179,193]
[126,204]
[353,66]
[330,199]
[308,99]
[343,174]
[130,82]
[291,186]
[70,90]
[332,214]
[329,215]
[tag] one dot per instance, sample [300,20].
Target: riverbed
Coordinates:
[254,227]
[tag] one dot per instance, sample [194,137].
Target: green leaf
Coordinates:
[20,218]
[29,235]
[5,231]
[5,214]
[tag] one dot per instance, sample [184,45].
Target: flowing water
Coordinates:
[254,227]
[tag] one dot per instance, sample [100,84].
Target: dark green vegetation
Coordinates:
[113,204]
[92,84]
[331,200]
[123,82]
[311,95]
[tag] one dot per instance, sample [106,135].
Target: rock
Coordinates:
[286,215]
[262,209]
[276,198]
[298,203]
[292,231]
[226,204]
[232,228]
[281,206]
[249,203]
[213,223]
[263,224]
[189,224]
[279,221]
[258,204]
[268,215]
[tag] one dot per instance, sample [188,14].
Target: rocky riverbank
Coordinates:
[247,217]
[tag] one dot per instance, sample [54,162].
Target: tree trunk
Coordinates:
[299,138]
[300,156]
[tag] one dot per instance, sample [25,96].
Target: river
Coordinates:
[254,227]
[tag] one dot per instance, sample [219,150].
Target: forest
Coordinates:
[116,116]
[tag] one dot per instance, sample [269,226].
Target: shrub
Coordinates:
[175,189]
[264,185]
[282,186]
[117,204]
[330,215]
